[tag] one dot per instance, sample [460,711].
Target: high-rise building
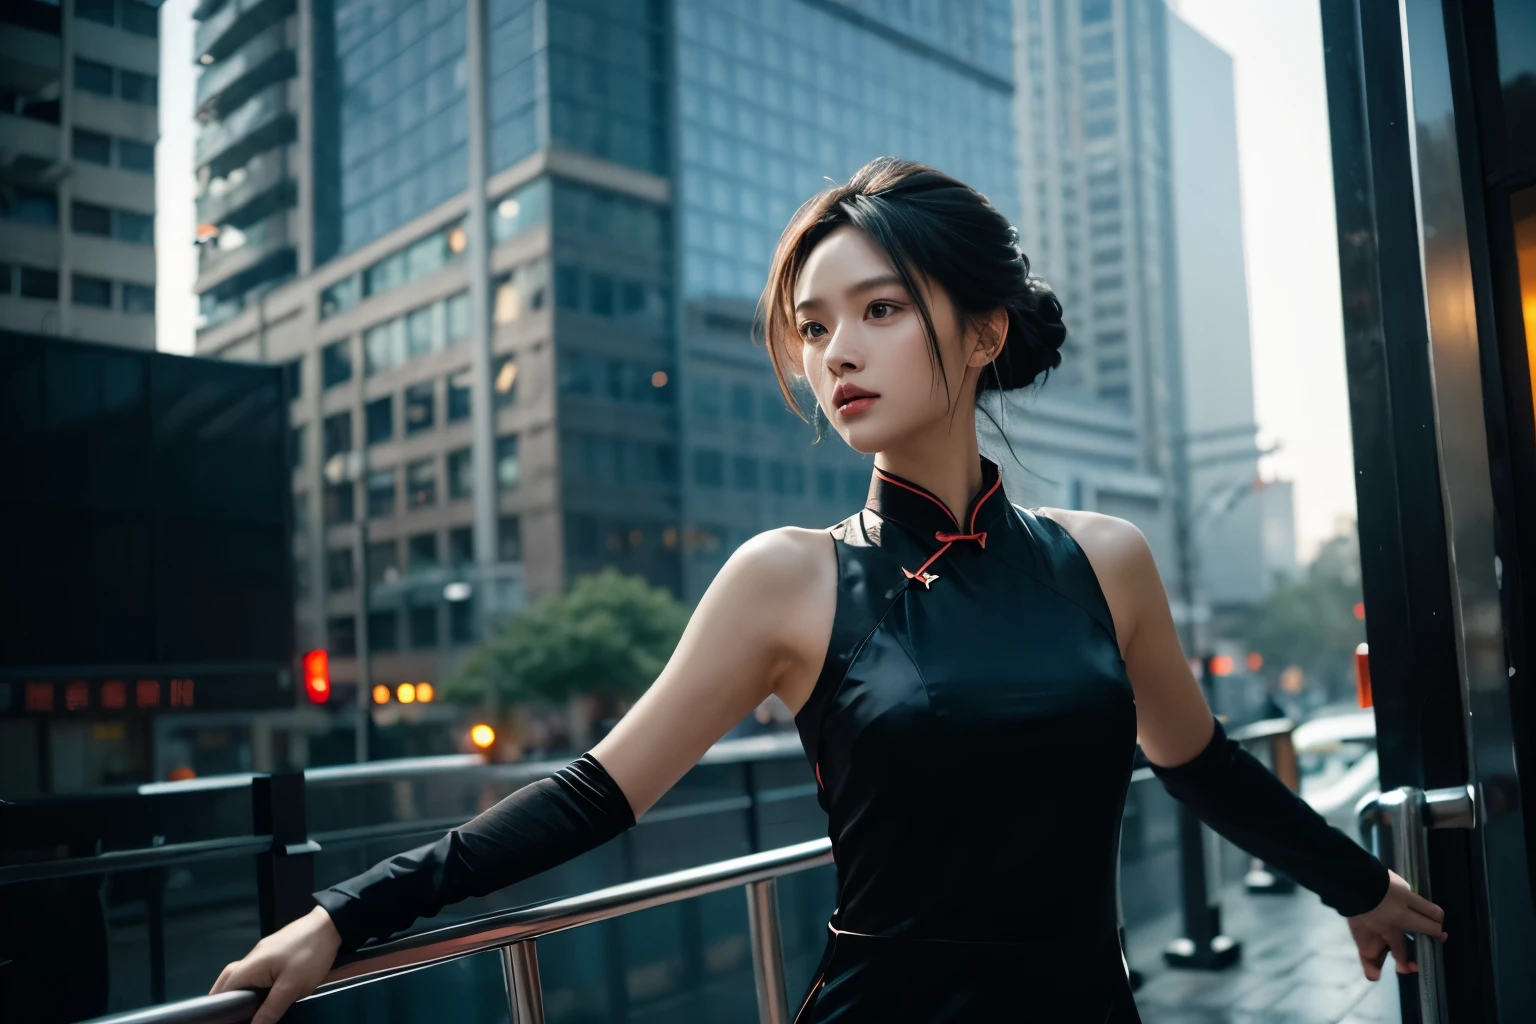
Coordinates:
[1131,197]
[486,420]
[78,124]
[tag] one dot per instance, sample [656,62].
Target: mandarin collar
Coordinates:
[920,510]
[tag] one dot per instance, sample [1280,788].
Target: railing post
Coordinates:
[520,973]
[285,873]
[1263,879]
[767,951]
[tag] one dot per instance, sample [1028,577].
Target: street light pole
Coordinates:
[364,710]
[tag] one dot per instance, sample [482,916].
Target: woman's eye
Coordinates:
[809,329]
[875,308]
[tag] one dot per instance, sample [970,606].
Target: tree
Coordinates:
[608,637]
[1310,622]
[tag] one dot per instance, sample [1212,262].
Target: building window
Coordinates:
[29,206]
[338,569]
[342,632]
[461,546]
[383,631]
[705,396]
[508,472]
[741,403]
[93,77]
[708,468]
[138,298]
[600,294]
[296,446]
[336,363]
[461,477]
[504,382]
[93,147]
[383,561]
[420,408]
[461,622]
[459,396]
[421,484]
[509,539]
[39,284]
[379,419]
[423,548]
[567,287]
[136,228]
[338,434]
[141,19]
[90,219]
[381,494]
[778,480]
[96,10]
[744,473]
[135,156]
[424,626]
[339,504]
[90,291]
[137,88]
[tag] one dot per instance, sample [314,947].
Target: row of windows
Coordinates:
[605,295]
[426,329]
[34,207]
[594,537]
[750,475]
[422,555]
[385,635]
[708,397]
[419,402]
[512,214]
[608,215]
[130,15]
[100,292]
[29,282]
[618,380]
[382,486]
[619,460]
[106,80]
[113,151]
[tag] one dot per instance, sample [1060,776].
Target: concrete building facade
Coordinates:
[79,83]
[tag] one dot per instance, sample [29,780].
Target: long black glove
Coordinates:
[542,825]
[1241,799]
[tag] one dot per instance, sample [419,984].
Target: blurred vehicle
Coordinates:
[1336,751]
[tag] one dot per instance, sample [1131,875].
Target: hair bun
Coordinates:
[1035,336]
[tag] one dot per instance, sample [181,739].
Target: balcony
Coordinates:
[249,191]
[29,56]
[29,152]
[231,25]
[237,249]
[262,122]
[264,59]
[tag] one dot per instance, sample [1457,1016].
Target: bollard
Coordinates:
[285,872]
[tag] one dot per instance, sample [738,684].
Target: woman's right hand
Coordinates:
[291,963]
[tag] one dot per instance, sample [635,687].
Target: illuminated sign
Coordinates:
[141,692]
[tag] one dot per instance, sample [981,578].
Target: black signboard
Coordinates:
[144,527]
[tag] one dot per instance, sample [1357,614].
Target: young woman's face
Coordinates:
[863,350]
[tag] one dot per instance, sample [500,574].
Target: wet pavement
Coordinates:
[1298,967]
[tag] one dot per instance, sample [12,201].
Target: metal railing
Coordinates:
[1396,825]
[515,933]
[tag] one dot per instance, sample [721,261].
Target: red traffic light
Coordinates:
[317,676]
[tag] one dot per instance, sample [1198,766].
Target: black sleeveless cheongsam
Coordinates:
[972,734]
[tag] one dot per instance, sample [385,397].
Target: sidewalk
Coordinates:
[1298,967]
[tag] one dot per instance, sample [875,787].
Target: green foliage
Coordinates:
[608,636]
[1310,622]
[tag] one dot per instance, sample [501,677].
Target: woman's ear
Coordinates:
[991,332]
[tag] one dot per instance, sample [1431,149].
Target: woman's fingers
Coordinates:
[283,995]
[1419,905]
[1399,943]
[223,980]
[1373,953]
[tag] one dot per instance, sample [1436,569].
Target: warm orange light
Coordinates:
[1221,665]
[405,693]
[381,694]
[424,693]
[659,379]
[482,736]
[1363,675]
[458,240]
[182,774]
[317,676]
[1360,610]
[1292,679]
[506,377]
[1255,661]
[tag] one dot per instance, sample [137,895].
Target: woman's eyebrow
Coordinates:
[869,284]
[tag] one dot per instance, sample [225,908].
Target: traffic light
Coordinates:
[482,736]
[317,676]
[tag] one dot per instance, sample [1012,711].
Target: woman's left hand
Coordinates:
[1384,929]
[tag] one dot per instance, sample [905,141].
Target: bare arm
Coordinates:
[755,632]
[1231,791]
[762,628]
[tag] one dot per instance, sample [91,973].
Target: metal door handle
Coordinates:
[1394,824]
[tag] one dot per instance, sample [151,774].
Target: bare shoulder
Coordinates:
[1111,544]
[790,558]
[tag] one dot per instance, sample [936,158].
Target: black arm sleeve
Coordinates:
[1237,796]
[542,825]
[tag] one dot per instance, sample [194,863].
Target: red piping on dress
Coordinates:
[921,574]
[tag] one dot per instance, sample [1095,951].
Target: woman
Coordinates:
[969,678]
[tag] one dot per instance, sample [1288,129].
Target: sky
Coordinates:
[1287,181]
